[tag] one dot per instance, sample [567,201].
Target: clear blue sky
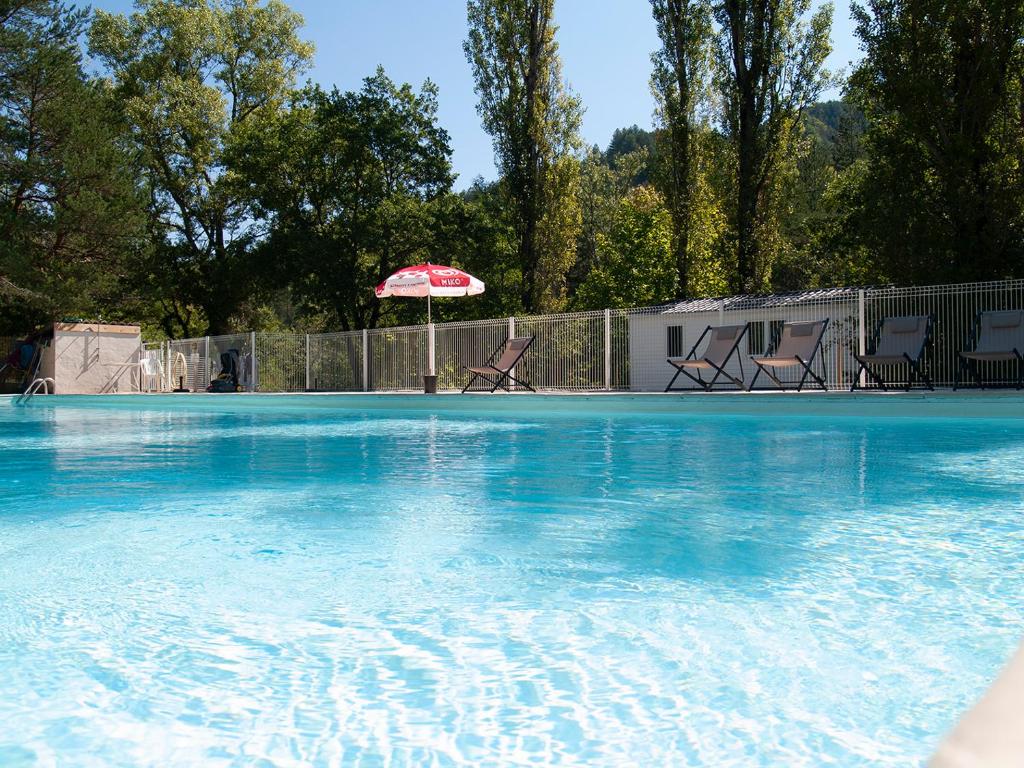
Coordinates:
[605,47]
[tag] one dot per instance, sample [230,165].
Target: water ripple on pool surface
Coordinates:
[260,589]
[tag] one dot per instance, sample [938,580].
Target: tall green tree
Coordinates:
[771,58]
[942,194]
[352,186]
[190,75]
[71,216]
[682,69]
[604,180]
[534,121]
[821,250]
[487,246]
[635,264]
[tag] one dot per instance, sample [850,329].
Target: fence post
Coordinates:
[721,311]
[430,350]
[252,361]
[307,362]
[206,364]
[138,368]
[512,335]
[167,370]
[607,349]
[366,361]
[861,337]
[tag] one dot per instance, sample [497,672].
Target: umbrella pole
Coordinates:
[430,381]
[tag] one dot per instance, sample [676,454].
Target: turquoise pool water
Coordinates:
[480,581]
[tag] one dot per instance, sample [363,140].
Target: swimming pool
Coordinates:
[502,581]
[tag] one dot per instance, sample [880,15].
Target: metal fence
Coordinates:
[954,309]
[396,358]
[459,345]
[622,350]
[336,362]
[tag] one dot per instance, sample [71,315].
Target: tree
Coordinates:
[820,250]
[680,82]
[942,85]
[770,68]
[635,264]
[629,141]
[70,213]
[353,186]
[604,181]
[190,75]
[534,122]
[487,246]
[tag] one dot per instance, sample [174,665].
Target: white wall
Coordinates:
[90,358]
[648,343]
[648,347]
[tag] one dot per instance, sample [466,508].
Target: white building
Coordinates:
[92,358]
[671,331]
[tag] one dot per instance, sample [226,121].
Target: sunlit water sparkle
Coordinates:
[236,586]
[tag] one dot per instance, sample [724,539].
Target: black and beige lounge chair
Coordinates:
[722,345]
[898,341]
[996,337]
[499,374]
[795,346]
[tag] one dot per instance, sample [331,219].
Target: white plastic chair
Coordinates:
[152,371]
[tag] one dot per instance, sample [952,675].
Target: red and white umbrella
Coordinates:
[430,280]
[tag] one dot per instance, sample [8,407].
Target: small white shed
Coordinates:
[92,358]
[672,330]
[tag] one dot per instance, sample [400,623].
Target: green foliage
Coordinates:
[70,216]
[556,233]
[191,75]
[942,193]
[682,72]
[634,141]
[534,121]
[195,190]
[827,121]
[604,180]
[711,247]
[770,67]
[635,265]
[485,243]
[818,248]
[352,186]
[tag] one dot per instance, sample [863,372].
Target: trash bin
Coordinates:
[430,384]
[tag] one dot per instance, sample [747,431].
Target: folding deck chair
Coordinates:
[996,337]
[796,345]
[897,341]
[722,345]
[499,373]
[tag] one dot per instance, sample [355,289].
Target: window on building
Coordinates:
[675,341]
[758,342]
[755,339]
[775,331]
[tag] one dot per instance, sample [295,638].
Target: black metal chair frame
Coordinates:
[914,367]
[970,366]
[805,364]
[500,377]
[719,370]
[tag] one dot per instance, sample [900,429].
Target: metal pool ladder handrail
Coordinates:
[33,389]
